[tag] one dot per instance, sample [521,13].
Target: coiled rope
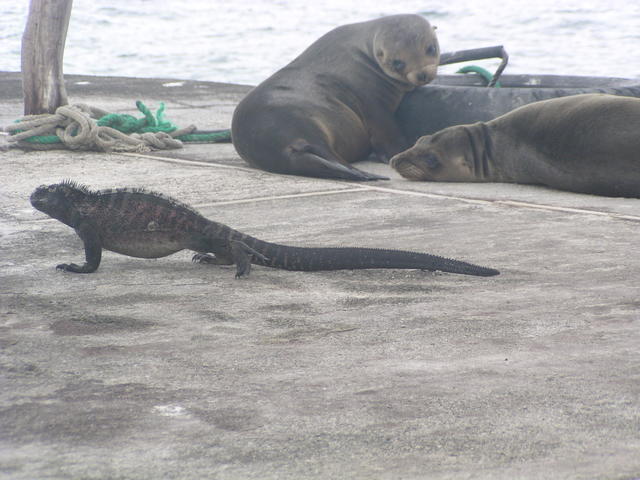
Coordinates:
[81,127]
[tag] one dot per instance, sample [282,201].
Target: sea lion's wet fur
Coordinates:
[583,143]
[335,103]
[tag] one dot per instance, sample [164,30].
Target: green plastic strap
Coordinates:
[485,74]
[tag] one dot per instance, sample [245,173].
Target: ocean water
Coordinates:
[247,40]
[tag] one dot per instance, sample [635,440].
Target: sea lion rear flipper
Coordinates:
[312,165]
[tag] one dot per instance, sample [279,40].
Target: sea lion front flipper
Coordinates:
[312,165]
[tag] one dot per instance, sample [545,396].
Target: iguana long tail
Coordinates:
[347,258]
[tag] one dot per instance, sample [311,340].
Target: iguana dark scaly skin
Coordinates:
[145,224]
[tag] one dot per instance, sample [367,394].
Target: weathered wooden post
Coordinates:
[42,53]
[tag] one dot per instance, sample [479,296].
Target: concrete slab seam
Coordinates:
[363,187]
[280,197]
[510,203]
[188,162]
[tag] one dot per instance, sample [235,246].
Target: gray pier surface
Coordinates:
[152,369]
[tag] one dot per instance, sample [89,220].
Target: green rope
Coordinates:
[486,76]
[149,123]
[158,124]
[43,139]
[130,124]
[207,137]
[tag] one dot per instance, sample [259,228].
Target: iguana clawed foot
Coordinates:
[72,267]
[208,258]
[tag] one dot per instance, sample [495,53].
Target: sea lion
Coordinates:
[335,103]
[582,143]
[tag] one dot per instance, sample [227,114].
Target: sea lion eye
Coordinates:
[431,50]
[431,159]
[398,65]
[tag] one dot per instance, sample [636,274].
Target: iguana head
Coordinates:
[58,200]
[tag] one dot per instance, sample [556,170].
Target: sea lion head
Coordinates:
[442,156]
[406,49]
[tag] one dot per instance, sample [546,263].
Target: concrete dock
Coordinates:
[154,369]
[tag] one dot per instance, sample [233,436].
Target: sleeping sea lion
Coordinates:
[583,143]
[335,103]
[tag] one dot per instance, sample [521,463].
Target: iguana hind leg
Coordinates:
[240,254]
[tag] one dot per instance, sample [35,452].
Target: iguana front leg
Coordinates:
[238,252]
[92,250]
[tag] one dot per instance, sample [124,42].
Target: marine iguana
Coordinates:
[146,224]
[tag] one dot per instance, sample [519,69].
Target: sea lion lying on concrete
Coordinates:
[583,143]
[334,104]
